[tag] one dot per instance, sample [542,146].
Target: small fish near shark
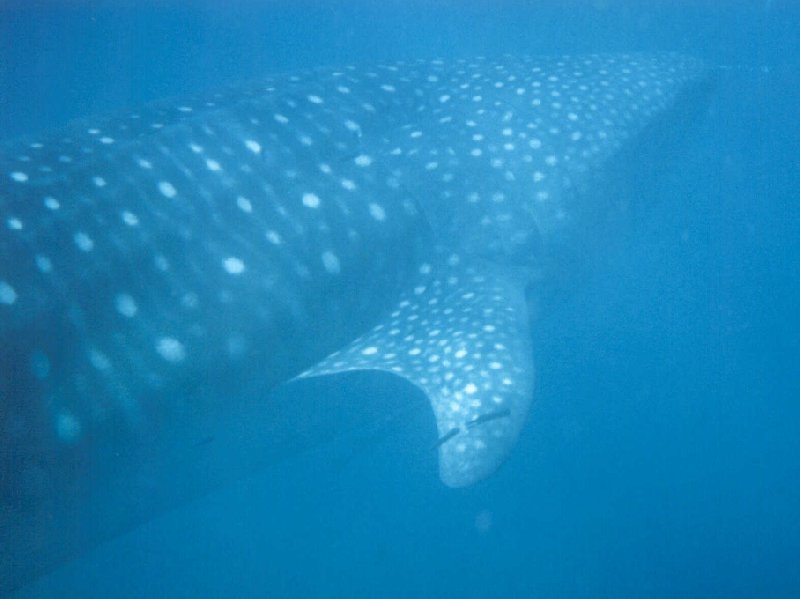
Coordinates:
[387,218]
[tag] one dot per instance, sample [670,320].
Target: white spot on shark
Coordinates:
[99,360]
[377,212]
[352,126]
[311,200]
[7,294]
[44,264]
[234,266]
[244,204]
[83,241]
[68,427]
[274,237]
[170,349]
[331,262]
[253,146]
[126,305]
[167,189]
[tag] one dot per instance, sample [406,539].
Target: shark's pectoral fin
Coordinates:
[462,336]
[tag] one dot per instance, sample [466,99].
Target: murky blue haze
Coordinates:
[662,454]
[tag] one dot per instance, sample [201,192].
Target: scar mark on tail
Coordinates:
[484,418]
[446,437]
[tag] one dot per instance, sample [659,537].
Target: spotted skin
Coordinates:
[148,268]
[154,263]
[461,335]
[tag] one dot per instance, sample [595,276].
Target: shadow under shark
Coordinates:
[162,271]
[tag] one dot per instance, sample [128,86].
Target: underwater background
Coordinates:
[662,453]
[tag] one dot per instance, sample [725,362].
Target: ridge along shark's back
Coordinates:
[155,266]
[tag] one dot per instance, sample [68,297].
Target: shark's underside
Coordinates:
[154,264]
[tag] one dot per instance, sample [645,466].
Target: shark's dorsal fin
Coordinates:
[462,336]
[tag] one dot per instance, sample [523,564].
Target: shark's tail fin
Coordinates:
[462,336]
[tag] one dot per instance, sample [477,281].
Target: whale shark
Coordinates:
[157,263]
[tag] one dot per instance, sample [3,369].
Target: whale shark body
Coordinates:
[155,263]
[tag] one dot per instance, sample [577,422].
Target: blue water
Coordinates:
[662,455]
